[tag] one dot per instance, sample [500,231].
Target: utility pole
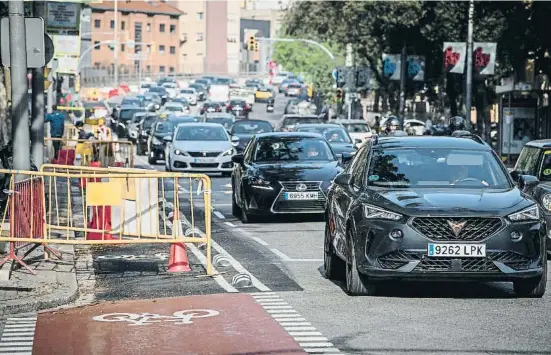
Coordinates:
[403,80]
[19,84]
[37,119]
[469,81]
[116,43]
[350,78]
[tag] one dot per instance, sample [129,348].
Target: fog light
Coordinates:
[396,234]
[516,236]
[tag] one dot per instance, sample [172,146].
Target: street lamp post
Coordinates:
[469,81]
[116,39]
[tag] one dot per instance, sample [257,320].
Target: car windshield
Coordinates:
[250,128]
[332,134]
[201,133]
[132,102]
[211,104]
[436,167]
[148,122]
[291,121]
[126,115]
[174,108]
[224,121]
[164,128]
[222,81]
[277,149]
[357,127]
[157,89]
[138,117]
[187,91]
[545,173]
[93,105]
[238,102]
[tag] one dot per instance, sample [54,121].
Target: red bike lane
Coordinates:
[228,324]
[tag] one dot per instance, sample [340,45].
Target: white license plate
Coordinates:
[301,196]
[202,160]
[210,109]
[457,250]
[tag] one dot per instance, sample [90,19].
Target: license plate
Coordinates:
[301,195]
[457,250]
[210,109]
[202,160]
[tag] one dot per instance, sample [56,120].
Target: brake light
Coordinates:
[246,107]
[218,109]
[228,108]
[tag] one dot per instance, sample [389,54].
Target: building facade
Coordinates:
[147,32]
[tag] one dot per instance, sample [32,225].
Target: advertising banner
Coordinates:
[391,66]
[416,67]
[518,129]
[454,57]
[484,58]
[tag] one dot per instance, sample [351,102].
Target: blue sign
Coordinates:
[335,77]
[389,67]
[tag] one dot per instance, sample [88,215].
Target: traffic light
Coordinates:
[252,43]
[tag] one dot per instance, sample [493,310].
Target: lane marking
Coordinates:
[281,255]
[18,335]
[219,215]
[293,334]
[259,241]
[276,307]
[218,278]
[317,345]
[281,311]
[294,324]
[299,328]
[230,224]
[321,350]
[291,320]
[301,339]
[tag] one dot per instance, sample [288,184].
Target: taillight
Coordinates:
[218,109]
[228,108]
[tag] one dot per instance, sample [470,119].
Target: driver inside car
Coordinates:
[311,151]
[461,173]
[335,138]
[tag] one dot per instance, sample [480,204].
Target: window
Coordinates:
[97,46]
[162,68]
[527,161]
[162,27]
[172,28]
[97,64]
[200,15]
[172,50]
[162,49]
[97,23]
[123,25]
[171,69]
[122,47]
[148,48]
[200,36]
[112,24]
[148,27]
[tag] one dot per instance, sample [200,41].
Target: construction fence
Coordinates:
[104,206]
[83,152]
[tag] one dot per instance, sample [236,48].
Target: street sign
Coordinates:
[34,34]
[363,76]
[341,76]
[334,73]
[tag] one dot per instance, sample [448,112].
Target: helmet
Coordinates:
[392,121]
[457,123]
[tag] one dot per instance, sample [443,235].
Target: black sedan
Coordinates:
[432,208]
[282,173]
[242,132]
[210,106]
[162,128]
[336,135]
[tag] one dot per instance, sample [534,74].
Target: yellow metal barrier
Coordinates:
[71,132]
[109,206]
[106,152]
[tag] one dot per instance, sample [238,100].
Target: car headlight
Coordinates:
[373,212]
[180,152]
[156,141]
[230,151]
[546,202]
[260,183]
[531,213]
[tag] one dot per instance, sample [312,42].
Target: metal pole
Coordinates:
[37,120]
[19,92]
[469,81]
[511,126]
[403,79]
[116,43]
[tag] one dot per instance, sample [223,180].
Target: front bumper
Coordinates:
[381,257]
[263,200]
[221,164]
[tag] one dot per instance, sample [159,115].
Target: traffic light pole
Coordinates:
[37,119]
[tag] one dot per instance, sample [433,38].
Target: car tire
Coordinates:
[235,209]
[533,287]
[151,161]
[244,216]
[356,283]
[334,267]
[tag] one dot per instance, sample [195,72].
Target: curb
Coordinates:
[49,301]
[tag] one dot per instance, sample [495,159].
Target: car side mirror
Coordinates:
[346,157]
[167,139]
[342,179]
[357,141]
[238,158]
[234,140]
[527,182]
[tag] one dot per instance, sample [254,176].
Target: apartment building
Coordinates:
[153,26]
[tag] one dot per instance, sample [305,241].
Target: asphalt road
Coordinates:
[412,318]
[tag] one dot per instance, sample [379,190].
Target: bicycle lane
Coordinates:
[208,324]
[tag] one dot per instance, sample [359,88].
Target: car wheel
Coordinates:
[335,268]
[246,217]
[533,287]
[356,283]
[235,209]
[151,160]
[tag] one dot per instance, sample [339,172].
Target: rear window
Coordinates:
[291,121]
[126,115]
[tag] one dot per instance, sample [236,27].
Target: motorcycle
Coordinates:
[141,146]
[270,105]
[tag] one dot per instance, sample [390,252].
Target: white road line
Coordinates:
[296,329]
[281,255]
[262,293]
[230,224]
[281,311]
[227,185]
[310,339]
[321,350]
[291,320]
[16,343]
[15,338]
[273,303]
[17,330]
[219,215]
[277,307]
[239,268]
[293,324]
[12,350]
[302,334]
[218,278]
[286,316]
[259,241]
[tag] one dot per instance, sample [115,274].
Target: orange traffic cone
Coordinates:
[178,261]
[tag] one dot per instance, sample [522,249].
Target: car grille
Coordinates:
[474,228]
[282,205]
[397,259]
[203,165]
[204,154]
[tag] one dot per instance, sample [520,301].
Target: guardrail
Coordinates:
[105,206]
[105,153]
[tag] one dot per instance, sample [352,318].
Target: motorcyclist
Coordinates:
[457,123]
[392,124]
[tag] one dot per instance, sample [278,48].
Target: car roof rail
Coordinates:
[469,135]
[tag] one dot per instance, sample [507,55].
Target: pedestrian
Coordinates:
[57,128]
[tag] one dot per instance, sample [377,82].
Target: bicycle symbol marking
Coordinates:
[179,317]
